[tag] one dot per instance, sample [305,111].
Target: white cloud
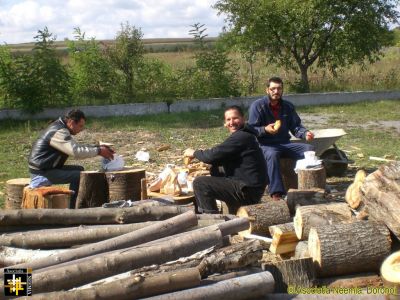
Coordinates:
[20,20]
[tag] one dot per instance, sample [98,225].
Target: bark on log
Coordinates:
[390,271]
[125,185]
[214,278]
[381,195]
[312,178]
[363,280]
[133,287]
[342,249]
[87,215]
[263,215]
[319,215]
[108,264]
[14,192]
[93,190]
[284,239]
[153,232]
[289,176]
[301,250]
[292,272]
[297,198]
[11,256]
[251,286]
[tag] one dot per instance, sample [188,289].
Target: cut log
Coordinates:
[320,215]
[312,178]
[251,286]
[301,250]
[11,256]
[125,185]
[284,239]
[363,280]
[133,287]
[353,192]
[263,215]
[214,278]
[152,232]
[297,197]
[87,215]
[14,192]
[289,176]
[93,190]
[88,270]
[292,272]
[342,249]
[390,271]
[381,195]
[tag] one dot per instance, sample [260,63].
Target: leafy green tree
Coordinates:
[297,34]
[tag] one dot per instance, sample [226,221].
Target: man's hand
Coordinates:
[270,129]
[106,152]
[188,152]
[309,136]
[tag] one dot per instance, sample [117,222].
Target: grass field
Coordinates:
[368,135]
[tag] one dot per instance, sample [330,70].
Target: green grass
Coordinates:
[201,130]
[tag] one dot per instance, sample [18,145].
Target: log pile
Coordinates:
[167,252]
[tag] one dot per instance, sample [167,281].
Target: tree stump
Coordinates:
[263,215]
[342,249]
[289,176]
[93,190]
[292,272]
[320,215]
[312,178]
[125,185]
[15,191]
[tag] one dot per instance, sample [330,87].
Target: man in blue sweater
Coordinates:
[274,137]
[244,175]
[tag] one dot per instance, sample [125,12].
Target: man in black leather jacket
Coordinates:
[244,178]
[55,144]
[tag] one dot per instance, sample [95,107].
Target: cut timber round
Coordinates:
[390,271]
[263,215]
[93,190]
[312,178]
[15,191]
[342,249]
[125,185]
[320,215]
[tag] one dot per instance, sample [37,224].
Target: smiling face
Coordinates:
[274,91]
[233,120]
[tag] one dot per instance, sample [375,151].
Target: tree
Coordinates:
[300,33]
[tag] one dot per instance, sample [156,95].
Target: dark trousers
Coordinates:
[207,189]
[273,153]
[67,174]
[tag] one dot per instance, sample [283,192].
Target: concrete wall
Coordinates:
[205,104]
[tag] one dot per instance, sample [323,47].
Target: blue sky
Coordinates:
[21,19]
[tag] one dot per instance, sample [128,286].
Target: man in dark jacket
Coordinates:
[55,145]
[274,138]
[243,179]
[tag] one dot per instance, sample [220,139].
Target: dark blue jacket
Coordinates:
[260,115]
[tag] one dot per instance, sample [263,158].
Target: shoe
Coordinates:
[276,197]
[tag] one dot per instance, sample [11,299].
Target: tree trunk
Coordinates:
[133,287]
[292,272]
[305,85]
[312,178]
[284,239]
[263,215]
[108,264]
[150,233]
[363,280]
[125,185]
[14,192]
[390,271]
[93,190]
[87,215]
[320,215]
[381,195]
[297,197]
[289,176]
[342,249]
[251,286]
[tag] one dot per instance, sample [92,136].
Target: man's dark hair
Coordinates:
[75,115]
[235,107]
[275,79]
